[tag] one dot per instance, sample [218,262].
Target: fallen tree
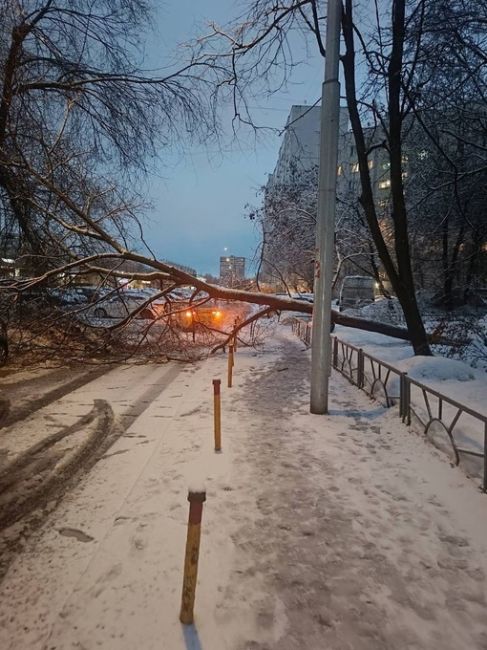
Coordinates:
[175,278]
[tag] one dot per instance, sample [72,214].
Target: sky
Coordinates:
[199,196]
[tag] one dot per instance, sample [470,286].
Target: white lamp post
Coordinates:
[325,226]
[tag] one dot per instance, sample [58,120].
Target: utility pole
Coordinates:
[325,223]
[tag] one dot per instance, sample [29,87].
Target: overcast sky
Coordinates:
[199,198]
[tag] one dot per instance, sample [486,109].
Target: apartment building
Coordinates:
[232,270]
[300,148]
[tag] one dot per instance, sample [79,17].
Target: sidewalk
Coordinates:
[339,532]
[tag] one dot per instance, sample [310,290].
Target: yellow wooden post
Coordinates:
[236,323]
[196,500]
[217,414]
[230,365]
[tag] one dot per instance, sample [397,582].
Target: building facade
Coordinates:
[447,228]
[300,148]
[232,270]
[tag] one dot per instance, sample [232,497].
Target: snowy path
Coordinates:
[344,532]
[354,536]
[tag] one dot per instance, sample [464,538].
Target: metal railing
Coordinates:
[465,427]
[302,329]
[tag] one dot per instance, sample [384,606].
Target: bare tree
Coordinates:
[287,218]
[387,47]
[450,107]
[77,111]
[78,116]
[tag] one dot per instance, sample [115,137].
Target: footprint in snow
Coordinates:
[76,533]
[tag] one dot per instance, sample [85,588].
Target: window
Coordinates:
[386,165]
[355,168]
[385,184]
[370,164]
[339,170]
[423,154]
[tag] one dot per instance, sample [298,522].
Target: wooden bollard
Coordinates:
[196,500]
[230,365]
[217,414]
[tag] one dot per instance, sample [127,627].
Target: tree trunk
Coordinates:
[472,264]
[402,277]
[445,261]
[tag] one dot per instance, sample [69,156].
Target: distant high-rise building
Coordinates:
[232,270]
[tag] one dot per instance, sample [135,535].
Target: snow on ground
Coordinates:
[8,377]
[467,324]
[345,532]
[454,378]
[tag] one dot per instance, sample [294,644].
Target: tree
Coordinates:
[287,218]
[388,48]
[446,196]
[78,118]
[78,111]
[451,162]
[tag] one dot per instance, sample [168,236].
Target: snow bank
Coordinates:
[464,324]
[437,369]
[453,378]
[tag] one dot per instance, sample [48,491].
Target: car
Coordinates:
[305,297]
[93,293]
[210,314]
[67,297]
[356,291]
[123,303]
[35,299]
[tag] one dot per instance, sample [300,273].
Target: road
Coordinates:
[55,425]
[345,532]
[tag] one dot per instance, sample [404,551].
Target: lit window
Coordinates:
[385,184]
[371,164]
[355,168]
[340,170]
[404,174]
[404,158]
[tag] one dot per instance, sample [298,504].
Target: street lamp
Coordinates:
[325,223]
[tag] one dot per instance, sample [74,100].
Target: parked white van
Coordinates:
[356,291]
